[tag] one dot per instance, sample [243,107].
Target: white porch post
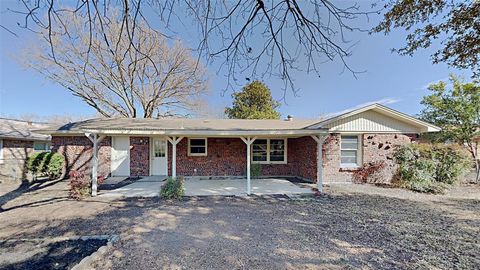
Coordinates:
[319,139]
[95,140]
[248,141]
[174,141]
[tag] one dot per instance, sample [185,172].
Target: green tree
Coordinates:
[457,111]
[452,25]
[253,102]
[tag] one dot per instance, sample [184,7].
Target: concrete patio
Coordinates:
[150,187]
[237,187]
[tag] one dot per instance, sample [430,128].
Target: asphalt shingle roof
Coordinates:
[182,124]
[18,129]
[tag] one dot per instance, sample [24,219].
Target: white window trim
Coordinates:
[198,154]
[285,155]
[359,152]
[1,151]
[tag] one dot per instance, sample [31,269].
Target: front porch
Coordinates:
[275,156]
[150,186]
[236,187]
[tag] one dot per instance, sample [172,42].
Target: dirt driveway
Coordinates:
[343,229]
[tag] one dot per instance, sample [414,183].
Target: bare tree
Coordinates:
[255,37]
[118,74]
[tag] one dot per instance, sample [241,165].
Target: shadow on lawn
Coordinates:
[25,187]
[332,231]
[55,255]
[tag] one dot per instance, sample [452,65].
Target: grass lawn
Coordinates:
[352,227]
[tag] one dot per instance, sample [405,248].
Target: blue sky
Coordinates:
[397,81]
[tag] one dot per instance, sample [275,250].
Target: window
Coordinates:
[159,148]
[349,151]
[197,147]
[41,146]
[260,151]
[269,151]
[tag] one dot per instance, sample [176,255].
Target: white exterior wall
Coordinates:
[371,121]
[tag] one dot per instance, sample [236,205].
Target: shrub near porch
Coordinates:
[430,168]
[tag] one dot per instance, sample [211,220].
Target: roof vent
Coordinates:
[289,118]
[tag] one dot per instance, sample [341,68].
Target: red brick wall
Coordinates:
[305,150]
[139,156]
[77,151]
[375,147]
[227,157]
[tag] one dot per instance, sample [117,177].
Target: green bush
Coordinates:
[35,163]
[256,170]
[173,188]
[55,166]
[46,164]
[430,168]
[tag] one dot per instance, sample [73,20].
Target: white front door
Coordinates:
[159,157]
[120,163]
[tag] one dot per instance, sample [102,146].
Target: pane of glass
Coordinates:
[349,142]
[277,158]
[277,150]
[197,142]
[197,150]
[39,146]
[259,150]
[277,144]
[159,148]
[348,157]
[259,156]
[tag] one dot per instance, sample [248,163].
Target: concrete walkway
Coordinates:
[145,187]
[238,187]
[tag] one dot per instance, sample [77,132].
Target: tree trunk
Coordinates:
[477,170]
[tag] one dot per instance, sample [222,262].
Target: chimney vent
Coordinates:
[289,117]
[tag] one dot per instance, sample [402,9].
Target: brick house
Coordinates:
[229,147]
[17,142]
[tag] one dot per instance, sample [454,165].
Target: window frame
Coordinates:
[358,151]
[190,154]
[47,147]
[268,161]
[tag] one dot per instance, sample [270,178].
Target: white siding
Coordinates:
[371,121]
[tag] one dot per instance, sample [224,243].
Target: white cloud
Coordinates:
[383,101]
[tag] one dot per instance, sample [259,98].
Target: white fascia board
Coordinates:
[220,133]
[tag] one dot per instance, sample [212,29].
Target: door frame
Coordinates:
[128,154]
[152,145]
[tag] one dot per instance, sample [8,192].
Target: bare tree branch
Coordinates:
[123,81]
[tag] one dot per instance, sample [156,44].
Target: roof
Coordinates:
[381,109]
[221,127]
[23,130]
[185,126]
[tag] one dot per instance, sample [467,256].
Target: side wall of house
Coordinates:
[77,151]
[13,165]
[375,148]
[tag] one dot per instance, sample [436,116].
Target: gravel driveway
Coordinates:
[338,230]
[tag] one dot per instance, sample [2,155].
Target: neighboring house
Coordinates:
[210,148]
[17,142]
